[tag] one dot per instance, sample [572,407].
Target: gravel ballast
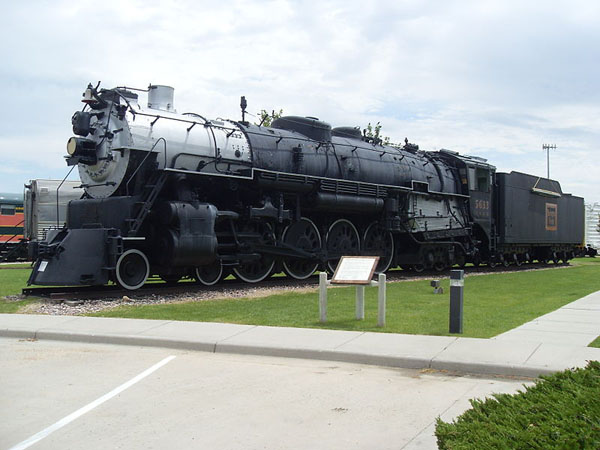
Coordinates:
[74,306]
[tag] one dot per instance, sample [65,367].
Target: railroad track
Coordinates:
[187,287]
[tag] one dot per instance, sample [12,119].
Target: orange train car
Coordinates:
[11,227]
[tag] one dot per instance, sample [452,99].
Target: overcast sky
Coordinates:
[495,79]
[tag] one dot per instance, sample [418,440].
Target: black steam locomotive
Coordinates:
[179,195]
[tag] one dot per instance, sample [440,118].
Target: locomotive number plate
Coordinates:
[551,216]
[482,208]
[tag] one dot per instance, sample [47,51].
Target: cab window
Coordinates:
[479,179]
[483,180]
[472,178]
[7,210]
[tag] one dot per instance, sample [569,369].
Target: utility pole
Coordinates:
[548,147]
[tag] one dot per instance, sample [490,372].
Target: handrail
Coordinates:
[57,192]
[144,160]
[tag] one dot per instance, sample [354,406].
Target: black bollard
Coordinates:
[457,285]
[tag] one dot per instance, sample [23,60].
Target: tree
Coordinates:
[373,133]
[267,119]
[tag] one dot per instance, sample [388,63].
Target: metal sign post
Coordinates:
[548,147]
[381,301]
[360,302]
[323,297]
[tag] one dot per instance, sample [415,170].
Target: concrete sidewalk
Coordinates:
[577,323]
[553,342]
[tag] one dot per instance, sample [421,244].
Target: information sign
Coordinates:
[355,270]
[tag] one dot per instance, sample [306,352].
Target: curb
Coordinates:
[404,362]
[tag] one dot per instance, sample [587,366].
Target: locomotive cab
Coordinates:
[480,184]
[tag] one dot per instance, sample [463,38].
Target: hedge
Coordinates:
[560,411]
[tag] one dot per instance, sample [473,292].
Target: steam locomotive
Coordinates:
[179,195]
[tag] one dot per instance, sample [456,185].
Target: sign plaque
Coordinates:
[355,270]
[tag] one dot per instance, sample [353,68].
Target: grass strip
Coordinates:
[11,307]
[561,411]
[13,280]
[595,343]
[24,265]
[493,304]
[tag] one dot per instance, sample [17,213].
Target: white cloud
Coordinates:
[494,78]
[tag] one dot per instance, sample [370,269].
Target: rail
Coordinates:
[187,287]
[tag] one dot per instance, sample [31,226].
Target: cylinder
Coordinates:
[161,97]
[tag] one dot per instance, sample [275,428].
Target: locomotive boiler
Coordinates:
[180,195]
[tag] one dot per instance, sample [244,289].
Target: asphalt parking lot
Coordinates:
[93,396]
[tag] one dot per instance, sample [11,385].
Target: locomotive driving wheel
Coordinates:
[440,260]
[460,259]
[209,274]
[132,269]
[342,240]
[256,233]
[419,268]
[303,235]
[439,266]
[378,241]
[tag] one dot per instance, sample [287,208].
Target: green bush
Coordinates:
[561,411]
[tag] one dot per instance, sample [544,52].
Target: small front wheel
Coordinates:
[132,269]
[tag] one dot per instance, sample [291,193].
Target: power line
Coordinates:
[548,147]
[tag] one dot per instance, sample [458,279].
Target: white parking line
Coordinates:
[87,408]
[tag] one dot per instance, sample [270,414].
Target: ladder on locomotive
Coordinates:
[148,197]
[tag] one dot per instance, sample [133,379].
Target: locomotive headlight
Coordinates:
[79,146]
[72,146]
[81,150]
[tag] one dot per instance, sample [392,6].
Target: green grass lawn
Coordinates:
[596,343]
[11,307]
[13,279]
[17,265]
[493,304]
